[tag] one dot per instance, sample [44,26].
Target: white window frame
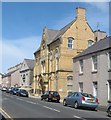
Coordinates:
[69,83]
[70,43]
[94,63]
[81,66]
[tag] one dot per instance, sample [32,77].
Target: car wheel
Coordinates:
[64,103]
[76,105]
[109,112]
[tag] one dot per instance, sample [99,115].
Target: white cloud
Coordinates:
[14,51]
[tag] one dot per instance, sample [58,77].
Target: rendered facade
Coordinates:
[92,71]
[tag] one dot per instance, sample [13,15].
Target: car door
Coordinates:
[70,99]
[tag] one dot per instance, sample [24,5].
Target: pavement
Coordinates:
[100,108]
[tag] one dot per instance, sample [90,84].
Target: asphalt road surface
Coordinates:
[22,107]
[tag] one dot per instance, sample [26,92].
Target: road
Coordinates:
[21,107]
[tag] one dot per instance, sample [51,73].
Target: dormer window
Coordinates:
[90,43]
[70,42]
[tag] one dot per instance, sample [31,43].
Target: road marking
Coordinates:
[31,102]
[5,114]
[79,117]
[51,108]
[20,99]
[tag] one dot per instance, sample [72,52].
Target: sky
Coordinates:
[23,23]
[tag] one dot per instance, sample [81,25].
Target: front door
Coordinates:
[109,90]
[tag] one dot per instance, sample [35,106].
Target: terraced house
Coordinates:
[54,64]
[92,71]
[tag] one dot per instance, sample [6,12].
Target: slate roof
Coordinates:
[101,45]
[30,63]
[53,35]
[9,73]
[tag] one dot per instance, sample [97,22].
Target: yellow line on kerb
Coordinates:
[5,114]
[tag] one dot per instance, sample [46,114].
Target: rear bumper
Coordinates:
[89,105]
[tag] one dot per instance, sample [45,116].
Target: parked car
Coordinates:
[4,88]
[8,90]
[13,90]
[22,92]
[109,108]
[78,99]
[51,96]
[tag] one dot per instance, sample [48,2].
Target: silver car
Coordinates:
[109,108]
[78,99]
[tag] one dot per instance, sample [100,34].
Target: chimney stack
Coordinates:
[81,13]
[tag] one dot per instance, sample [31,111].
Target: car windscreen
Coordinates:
[54,93]
[87,95]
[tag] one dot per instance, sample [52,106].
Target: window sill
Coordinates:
[80,74]
[94,71]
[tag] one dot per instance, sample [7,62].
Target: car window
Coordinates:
[55,93]
[46,93]
[87,95]
[76,94]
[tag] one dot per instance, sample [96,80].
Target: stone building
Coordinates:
[54,64]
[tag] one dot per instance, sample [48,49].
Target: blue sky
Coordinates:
[23,23]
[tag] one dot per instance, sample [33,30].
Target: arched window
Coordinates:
[56,53]
[90,43]
[70,42]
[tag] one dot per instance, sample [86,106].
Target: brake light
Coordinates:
[83,98]
[97,100]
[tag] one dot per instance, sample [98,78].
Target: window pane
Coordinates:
[94,60]
[70,43]
[81,65]
[90,42]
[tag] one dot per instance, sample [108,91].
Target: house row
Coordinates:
[20,75]
[92,71]
[55,68]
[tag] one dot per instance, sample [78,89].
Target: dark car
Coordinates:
[109,108]
[13,91]
[78,99]
[22,92]
[8,90]
[51,96]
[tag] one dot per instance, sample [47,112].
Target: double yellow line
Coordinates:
[5,114]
